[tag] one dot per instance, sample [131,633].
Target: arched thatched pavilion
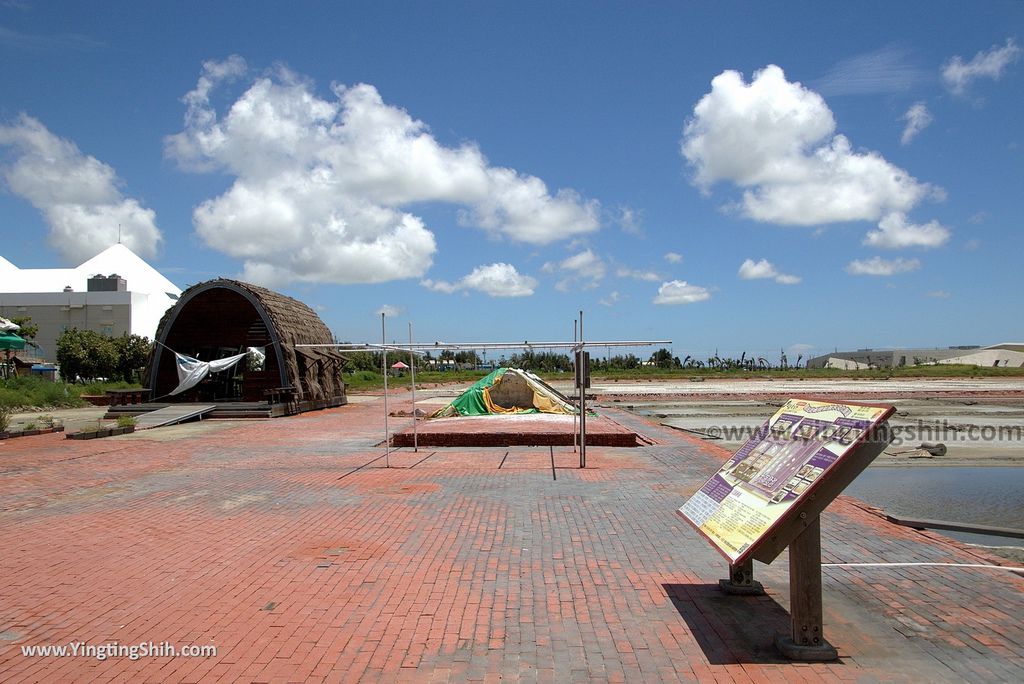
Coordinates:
[220,318]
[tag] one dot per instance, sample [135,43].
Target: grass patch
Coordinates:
[33,391]
[371,380]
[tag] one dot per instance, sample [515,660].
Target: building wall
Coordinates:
[1001,358]
[890,358]
[835,362]
[109,313]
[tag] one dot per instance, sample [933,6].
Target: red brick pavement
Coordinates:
[289,546]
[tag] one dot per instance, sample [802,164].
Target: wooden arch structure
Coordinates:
[220,318]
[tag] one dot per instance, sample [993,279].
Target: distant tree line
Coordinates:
[664,359]
[553,362]
[371,361]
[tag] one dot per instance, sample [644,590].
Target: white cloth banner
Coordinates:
[191,371]
[8,326]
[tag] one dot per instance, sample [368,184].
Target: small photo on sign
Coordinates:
[807,431]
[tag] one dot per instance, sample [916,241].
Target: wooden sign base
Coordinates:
[741,580]
[806,640]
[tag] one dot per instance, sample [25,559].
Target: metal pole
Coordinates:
[412,372]
[583,401]
[384,369]
[576,372]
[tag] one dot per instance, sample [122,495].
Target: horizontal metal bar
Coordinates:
[922,524]
[525,344]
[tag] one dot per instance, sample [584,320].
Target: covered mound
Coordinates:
[508,390]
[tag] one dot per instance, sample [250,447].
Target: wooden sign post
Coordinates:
[741,580]
[770,495]
[806,640]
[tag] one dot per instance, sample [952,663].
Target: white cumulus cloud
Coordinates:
[958,75]
[638,274]
[764,269]
[918,118]
[630,221]
[322,183]
[585,268]
[777,141]
[496,280]
[681,292]
[673,257]
[877,266]
[895,232]
[78,195]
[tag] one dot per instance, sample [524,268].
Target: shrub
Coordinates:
[31,390]
[86,354]
[132,355]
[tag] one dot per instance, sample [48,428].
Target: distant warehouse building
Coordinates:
[113,293]
[1007,354]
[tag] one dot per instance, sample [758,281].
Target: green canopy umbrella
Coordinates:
[9,340]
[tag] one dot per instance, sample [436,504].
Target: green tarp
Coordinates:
[471,402]
[532,395]
[9,340]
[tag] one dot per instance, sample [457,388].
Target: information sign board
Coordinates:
[783,464]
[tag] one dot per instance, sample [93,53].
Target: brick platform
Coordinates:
[290,546]
[517,430]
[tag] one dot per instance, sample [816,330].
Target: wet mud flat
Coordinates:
[980,422]
[975,477]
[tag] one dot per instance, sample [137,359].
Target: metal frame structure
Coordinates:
[575,346]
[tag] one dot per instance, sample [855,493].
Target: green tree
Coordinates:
[663,359]
[72,354]
[86,354]
[542,362]
[28,330]
[132,355]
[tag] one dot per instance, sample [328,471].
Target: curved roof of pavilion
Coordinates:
[217,318]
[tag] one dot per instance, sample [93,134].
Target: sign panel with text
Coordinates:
[782,464]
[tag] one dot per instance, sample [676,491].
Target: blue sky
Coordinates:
[734,177]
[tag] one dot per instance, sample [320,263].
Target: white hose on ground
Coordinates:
[933,565]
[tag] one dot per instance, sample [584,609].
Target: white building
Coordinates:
[836,362]
[1005,355]
[114,292]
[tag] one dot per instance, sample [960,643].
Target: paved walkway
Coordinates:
[289,546]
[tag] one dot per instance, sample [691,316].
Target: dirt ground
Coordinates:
[980,422]
[73,420]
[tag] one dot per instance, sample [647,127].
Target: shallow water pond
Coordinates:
[985,496]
